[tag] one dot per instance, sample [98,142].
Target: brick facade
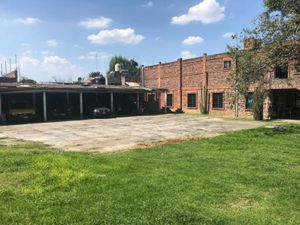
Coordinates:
[182,79]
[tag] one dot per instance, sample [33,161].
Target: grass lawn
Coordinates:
[247,177]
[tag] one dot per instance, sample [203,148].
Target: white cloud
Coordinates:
[55,60]
[100,22]
[187,55]
[93,55]
[49,66]
[28,21]
[126,36]
[53,43]
[206,12]
[149,4]
[193,40]
[228,35]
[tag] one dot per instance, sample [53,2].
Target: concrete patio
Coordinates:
[117,134]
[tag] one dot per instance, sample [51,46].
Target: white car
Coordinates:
[102,112]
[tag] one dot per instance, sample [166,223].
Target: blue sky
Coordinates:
[60,38]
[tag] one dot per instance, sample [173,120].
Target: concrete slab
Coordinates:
[117,134]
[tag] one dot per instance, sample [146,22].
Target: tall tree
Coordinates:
[274,41]
[131,65]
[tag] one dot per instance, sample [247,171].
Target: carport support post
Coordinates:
[81,105]
[112,102]
[45,106]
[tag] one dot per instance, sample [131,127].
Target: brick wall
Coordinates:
[183,77]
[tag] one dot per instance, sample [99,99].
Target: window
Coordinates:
[249,101]
[191,100]
[281,72]
[218,100]
[297,66]
[227,64]
[169,100]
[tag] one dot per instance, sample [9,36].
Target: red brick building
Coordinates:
[182,79]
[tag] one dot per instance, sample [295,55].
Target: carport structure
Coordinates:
[121,100]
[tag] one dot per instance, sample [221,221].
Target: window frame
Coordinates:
[246,101]
[279,69]
[167,103]
[194,106]
[213,102]
[225,64]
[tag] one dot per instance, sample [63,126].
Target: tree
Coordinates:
[25,80]
[131,65]
[274,41]
[95,74]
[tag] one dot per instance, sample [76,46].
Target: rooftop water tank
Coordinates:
[118,67]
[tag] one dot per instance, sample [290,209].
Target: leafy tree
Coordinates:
[95,74]
[275,39]
[25,80]
[130,65]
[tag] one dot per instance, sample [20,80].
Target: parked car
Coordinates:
[21,110]
[100,112]
[61,112]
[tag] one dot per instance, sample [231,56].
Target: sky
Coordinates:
[67,39]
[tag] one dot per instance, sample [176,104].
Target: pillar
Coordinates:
[112,102]
[180,83]
[81,104]
[166,99]
[45,105]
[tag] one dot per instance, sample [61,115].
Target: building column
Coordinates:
[138,102]
[45,105]
[166,100]
[81,104]
[267,108]
[112,102]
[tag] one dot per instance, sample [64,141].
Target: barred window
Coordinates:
[191,100]
[249,101]
[218,100]
[169,100]
[281,72]
[227,64]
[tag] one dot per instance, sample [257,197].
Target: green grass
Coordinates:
[247,177]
